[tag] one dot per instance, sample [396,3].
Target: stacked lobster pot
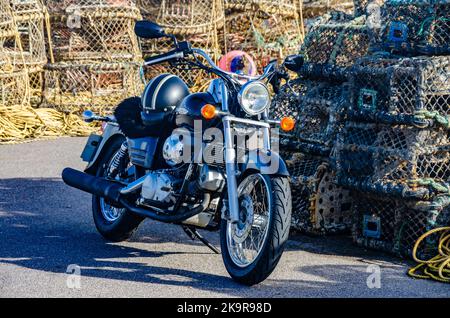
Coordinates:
[317,100]
[198,22]
[14,84]
[314,8]
[393,151]
[96,54]
[264,29]
[415,27]
[30,18]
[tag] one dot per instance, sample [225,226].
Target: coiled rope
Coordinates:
[438,267]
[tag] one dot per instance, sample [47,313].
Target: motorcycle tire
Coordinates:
[275,240]
[124,226]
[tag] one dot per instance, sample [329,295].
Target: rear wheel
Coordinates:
[252,248]
[114,224]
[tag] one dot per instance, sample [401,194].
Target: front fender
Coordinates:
[266,163]
[110,133]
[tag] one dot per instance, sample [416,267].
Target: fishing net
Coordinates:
[94,30]
[413,91]
[401,161]
[319,206]
[75,87]
[394,226]
[416,27]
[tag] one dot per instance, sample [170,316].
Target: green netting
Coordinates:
[394,160]
[416,27]
[413,91]
[394,226]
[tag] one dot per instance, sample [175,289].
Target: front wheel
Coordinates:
[252,248]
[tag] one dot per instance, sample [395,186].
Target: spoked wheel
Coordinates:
[114,223]
[252,247]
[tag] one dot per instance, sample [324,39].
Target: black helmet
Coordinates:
[164,92]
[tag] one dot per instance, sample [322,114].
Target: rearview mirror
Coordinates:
[294,63]
[149,30]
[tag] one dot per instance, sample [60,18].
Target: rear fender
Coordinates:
[110,134]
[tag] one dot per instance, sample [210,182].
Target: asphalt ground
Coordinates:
[47,237]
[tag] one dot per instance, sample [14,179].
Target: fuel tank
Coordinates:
[190,108]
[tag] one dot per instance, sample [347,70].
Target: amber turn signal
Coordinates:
[209,111]
[287,124]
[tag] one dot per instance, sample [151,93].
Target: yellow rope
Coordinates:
[21,124]
[438,267]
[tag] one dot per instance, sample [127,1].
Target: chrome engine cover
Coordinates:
[176,149]
[158,186]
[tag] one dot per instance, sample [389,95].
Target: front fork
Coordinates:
[231,165]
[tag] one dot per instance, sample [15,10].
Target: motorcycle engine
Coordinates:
[177,148]
[158,186]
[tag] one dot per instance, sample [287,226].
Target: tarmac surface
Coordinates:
[47,237]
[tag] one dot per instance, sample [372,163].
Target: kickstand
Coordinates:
[193,234]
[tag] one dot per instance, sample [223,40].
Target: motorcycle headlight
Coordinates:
[254,98]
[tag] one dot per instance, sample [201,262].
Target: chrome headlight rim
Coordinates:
[245,89]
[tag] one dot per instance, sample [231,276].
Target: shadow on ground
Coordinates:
[45,226]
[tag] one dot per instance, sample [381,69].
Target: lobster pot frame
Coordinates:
[29,16]
[97,86]
[194,78]
[280,7]
[394,226]
[319,206]
[14,89]
[412,91]
[337,41]
[197,22]
[315,8]
[416,27]
[10,42]
[318,110]
[360,7]
[94,30]
[185,16]
[263,36]
[401,161]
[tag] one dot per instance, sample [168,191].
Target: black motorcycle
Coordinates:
[202,161]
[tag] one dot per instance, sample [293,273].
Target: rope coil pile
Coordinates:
[438,267]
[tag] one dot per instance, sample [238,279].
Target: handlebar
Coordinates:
[180,54]
[165,57]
